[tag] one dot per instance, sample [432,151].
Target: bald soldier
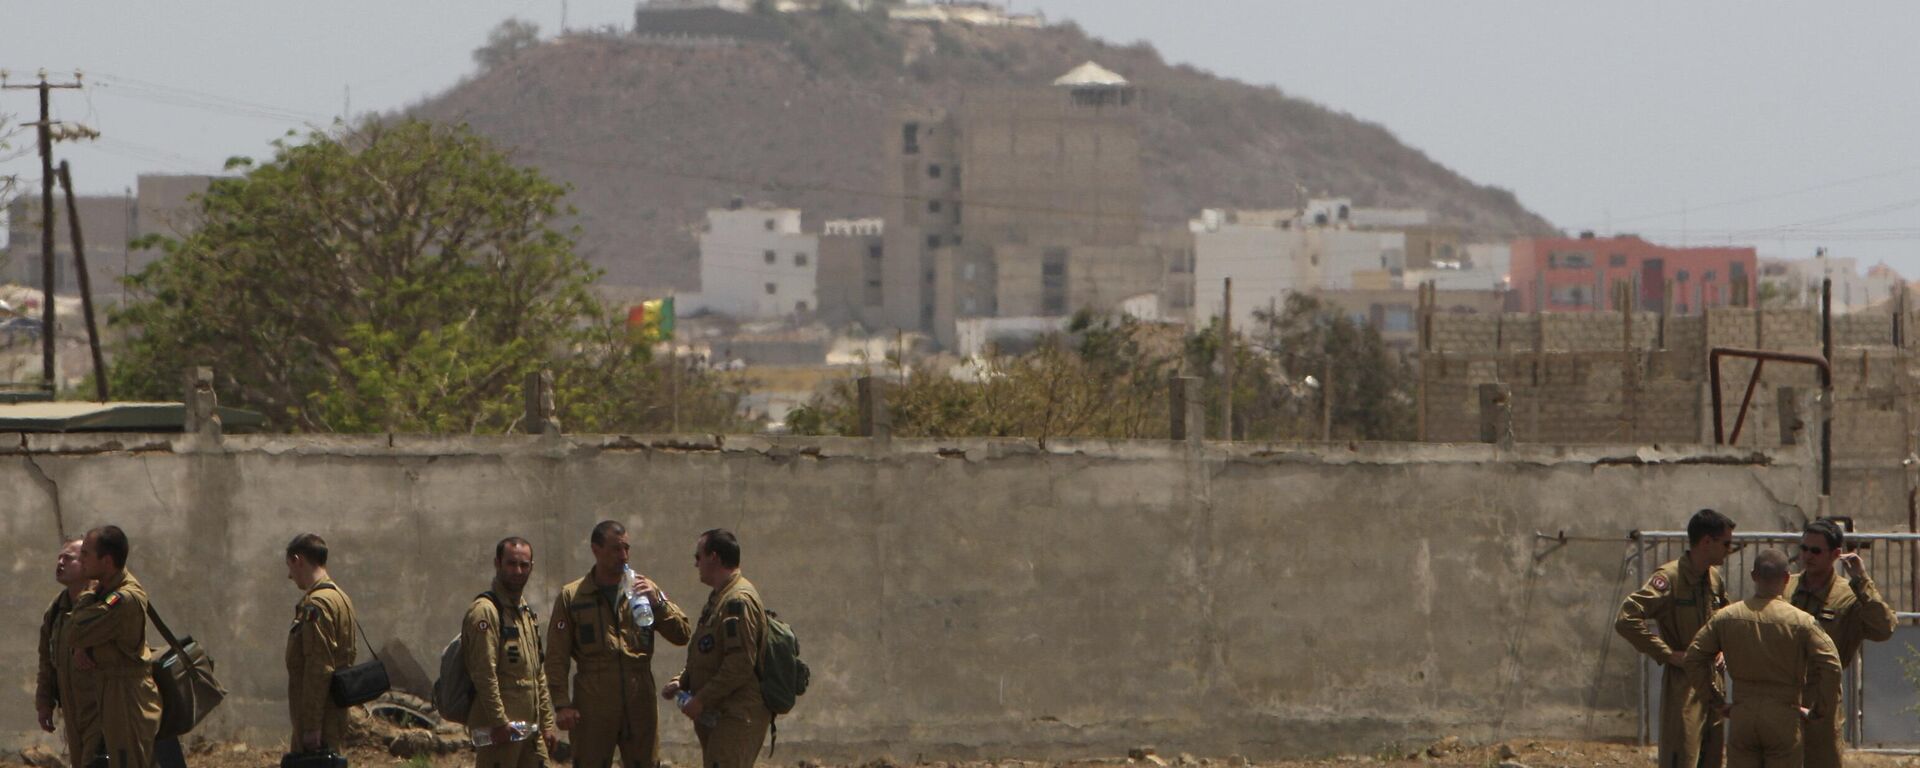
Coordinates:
[58,686]
[108,634]
[729,716]
[1783,666]
[501,639]
[1845,603]
[320,642]
[1660,621]
[611,702]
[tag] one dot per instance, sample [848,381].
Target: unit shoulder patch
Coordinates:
[113,599]
[1659,583]
[736,607]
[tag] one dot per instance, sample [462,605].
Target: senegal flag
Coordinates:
[651,320]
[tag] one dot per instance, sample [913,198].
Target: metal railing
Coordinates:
[1892,561]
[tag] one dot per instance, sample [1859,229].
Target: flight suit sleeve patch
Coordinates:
[113,600]
[736,607]
[1659,583]
[484,626]
[706,643]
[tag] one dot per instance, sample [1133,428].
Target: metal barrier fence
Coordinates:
[1892,560]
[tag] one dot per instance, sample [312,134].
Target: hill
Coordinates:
[650,134]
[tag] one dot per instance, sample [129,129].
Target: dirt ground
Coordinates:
[1506,754]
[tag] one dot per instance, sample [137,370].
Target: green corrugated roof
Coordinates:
[75,416]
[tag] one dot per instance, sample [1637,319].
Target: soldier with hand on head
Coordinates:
[1833,588]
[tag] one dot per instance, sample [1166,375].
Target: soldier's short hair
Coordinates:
[500,549]
[1770,564]
[722,542]
[110,541]
[1706,523]
[605,530]
[1830,530]
[310,547]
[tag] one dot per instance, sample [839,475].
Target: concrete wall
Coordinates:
[954,598]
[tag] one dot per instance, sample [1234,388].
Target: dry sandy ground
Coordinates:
[1532,754]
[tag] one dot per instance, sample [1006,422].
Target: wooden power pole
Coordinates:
[45,132]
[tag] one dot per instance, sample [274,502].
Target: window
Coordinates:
[1681,276]
[769,225]
[799,259]
[1617,260]
[772,289]
[800,307]
[933,241]
[771,258]
[874,293]
[1737,272]
[933,171]
[956,208]
[874,252]
[910,138]
[1570,295]
[933,206]
[1569,260]
[1398,319]
[1707,277]
[1053,281]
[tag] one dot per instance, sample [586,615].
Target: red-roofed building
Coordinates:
[1579,275]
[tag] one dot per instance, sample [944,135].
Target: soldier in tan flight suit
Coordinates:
[501,638]
[1845,603]
[58,686]
[1660,621]
[321,641]
[108,634]
[1775,654]
[728,715]
[612,701]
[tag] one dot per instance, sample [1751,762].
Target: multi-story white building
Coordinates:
[1796,282]
[1271,254]
[756,263]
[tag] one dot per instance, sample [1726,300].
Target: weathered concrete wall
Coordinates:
[954,598]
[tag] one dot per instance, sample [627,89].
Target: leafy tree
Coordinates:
[401,277]
[506,42]
[1371,387]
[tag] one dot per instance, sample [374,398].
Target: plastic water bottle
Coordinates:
[707,719]
[641,606]
[517,730]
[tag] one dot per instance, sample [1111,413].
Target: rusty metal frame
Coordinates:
[1760,358]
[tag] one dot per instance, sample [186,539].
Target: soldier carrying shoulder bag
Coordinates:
[361,682]
[184,675]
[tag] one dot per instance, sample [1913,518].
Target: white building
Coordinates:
[756,263]
[1797,282]
[1269,258]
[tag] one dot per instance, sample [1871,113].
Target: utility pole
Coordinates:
[86,284]
[45,131]
[1226,348]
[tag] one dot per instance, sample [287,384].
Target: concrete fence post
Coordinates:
[1188,414]
[1496,414]
[874,419]
[202,403]
[541,417]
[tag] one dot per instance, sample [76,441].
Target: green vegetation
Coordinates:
[1110,379]
[402,277]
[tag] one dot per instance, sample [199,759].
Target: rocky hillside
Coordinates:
[651,134]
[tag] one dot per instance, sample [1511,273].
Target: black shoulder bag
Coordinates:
[361,682]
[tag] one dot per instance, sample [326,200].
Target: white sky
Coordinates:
[1784,126]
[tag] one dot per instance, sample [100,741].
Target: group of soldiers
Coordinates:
[1784,647]
[94,660]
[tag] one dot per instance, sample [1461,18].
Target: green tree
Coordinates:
[402,277]
[505,42]
[1371,386]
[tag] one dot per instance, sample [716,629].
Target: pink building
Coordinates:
[1579,275]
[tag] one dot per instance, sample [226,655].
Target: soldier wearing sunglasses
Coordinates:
[1834,588]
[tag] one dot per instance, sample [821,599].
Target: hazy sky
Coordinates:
[1784,126]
